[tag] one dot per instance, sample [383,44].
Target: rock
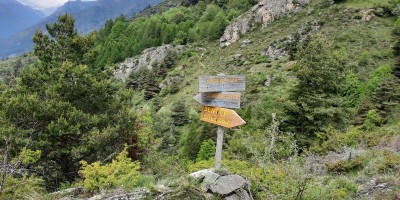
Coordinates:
[268,81]
[163,189]
[139,194]
[239,195]
[208,176]
[245,43]
[145,60]
[97,197]
[264,12]
[202,174]
[227,184]
[281,48]
[367,15]
[75,191]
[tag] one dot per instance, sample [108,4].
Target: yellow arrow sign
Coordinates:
[221,116]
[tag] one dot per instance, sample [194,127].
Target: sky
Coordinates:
[44,4]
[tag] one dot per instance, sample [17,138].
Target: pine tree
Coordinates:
[63,43]
[317,103]
[179,114]
[64,109]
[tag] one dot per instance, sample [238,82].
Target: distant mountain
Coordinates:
[15,17]
[89,16]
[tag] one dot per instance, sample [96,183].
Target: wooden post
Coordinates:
[218,151]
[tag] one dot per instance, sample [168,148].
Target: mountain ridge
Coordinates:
[15,16]
[89,16]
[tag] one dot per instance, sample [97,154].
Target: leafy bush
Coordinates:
[121,172]
[389,161]
[207,150]
[346,165]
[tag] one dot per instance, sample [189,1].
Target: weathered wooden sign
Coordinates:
[222,83]
[221,116]
[219,99]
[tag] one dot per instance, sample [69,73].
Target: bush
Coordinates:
[388,162]
[207,150]
[121,172]
[346,165]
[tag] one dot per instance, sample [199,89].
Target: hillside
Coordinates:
[90,16]
[15,17]
[321,104]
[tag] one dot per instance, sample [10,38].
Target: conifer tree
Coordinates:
[65,110]
[179,114]
[317,103]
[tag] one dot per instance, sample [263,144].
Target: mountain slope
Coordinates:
[89,16]
[15,17]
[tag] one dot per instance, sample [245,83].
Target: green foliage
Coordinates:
[63,44]
[191,140]
[387,162]
[179,114]
[207,150]
[120,173]
[318,104]
[64,110]
[24,187]
[28,156]
[380,93]
[178,26]
[346,165]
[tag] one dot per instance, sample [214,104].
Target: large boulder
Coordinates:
[229,186]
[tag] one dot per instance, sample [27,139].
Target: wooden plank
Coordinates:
[222,83]
[221,116]
[219,99]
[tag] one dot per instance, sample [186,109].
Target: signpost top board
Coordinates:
[219,99]
[221,116]
[222,83]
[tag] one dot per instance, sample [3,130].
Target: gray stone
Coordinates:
[268,81]
[139,194]
[263,13]
[239,195]
[246,42]
[208,176]
[279,48]
[145,60]
[227,184]
[97,197]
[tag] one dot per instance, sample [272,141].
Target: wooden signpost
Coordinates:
[219,99]
[221,116]
[217,94]
[222,83]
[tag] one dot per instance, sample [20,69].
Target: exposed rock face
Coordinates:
[263,13]
[145,60]
[280,48]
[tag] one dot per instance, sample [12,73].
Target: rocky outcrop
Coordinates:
[145,60]
[282,47]
[263,13]
[229,186]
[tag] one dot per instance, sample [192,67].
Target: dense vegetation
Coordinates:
[326,124]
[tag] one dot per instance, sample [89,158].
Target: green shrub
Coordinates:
[24,187]
[121,172]
[346,165]
[389,161]
[207,150]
